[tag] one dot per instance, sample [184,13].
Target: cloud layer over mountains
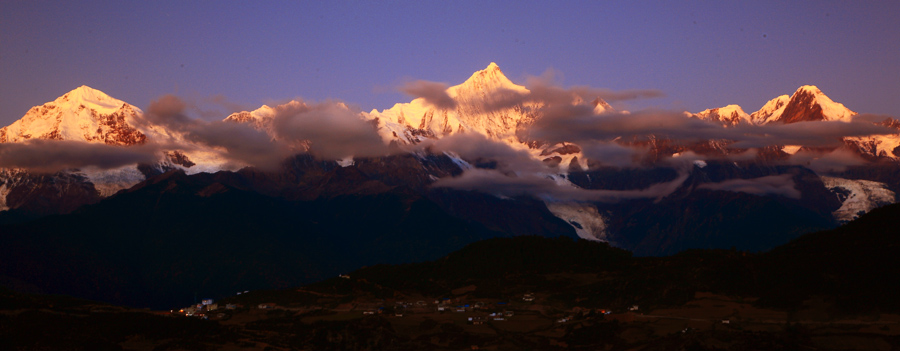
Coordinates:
[48,156]
[578,115]
[327,130]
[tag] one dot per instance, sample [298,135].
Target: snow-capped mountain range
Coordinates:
[482,105]
[89,115]
[808,103]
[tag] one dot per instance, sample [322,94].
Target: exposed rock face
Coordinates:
[43,194]
[179,158]
[114,130]
[565,149]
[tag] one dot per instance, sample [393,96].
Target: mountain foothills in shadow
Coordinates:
[174,236]
[829,290]
[694,217]
[848,267]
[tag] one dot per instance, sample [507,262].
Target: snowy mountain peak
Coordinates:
[263,117]
[85,92]
[727,115]
[258,115]
[809,103]
[601,106]
[83,114]
[417,120]
[771,111]
[811,89]
[488,79]
[90,97]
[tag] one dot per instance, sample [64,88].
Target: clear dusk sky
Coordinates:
[700,54]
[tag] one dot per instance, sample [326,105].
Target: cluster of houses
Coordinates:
[204,308]
[481,311]
[495,316]
[446,305]
[478,312]
[487,312]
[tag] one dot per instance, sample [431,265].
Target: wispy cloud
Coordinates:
[331,129]
[434,93]
[236,142]
[578,123]
[48,156]
[541,186]
[782,184]
[328,130]
[475,147]
[823,162]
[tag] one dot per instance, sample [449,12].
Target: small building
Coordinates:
[266,306]
[190,311]
[528,298]
[633,308]
[206,302]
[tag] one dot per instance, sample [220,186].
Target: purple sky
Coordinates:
[702,55]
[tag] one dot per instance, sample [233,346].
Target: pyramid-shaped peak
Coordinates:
[809,104]
[490,78]
[82,114]
[601,106]
[492,70]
